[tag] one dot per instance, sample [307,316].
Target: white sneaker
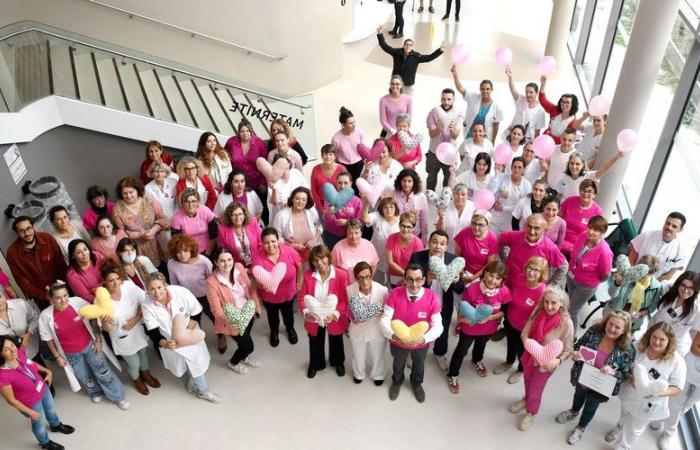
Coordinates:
[210,397]
[575,436]
[96,399]
[239,368]
[665,441]
[123,405]
[656,425]
[613,434]
[526,422]
[443,363]
[190,385]
[517,406]
[252,362]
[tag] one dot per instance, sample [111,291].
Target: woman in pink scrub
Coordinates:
[477,245]
[577,211]
[280,300]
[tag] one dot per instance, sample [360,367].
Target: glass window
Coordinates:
[594,46]
[624,27]
[660,99]
[679,187]
[576,24]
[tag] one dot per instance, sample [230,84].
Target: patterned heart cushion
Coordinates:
[408,141]
[335,198]
[644,384]
[102,307]
[239,318]
[184,336]
[630,274]
[544,354]
[475,315]
[409,334]
[270,280]
[446,273]
[441,201]
[322,309]
[362,312]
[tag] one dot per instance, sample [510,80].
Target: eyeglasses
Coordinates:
[191,168]
[191,201]
[587,191]
[479,225]
[413,280]
[26,230]
[533,269]
[406,226]
[364,277]
[686,287]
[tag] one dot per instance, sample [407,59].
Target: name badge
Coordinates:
[484,251]
[39,386]
[671,312]
[422,314]
[584,221]
[77,319]
[529,302]
[496,306]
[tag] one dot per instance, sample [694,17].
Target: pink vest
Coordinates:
[413,312]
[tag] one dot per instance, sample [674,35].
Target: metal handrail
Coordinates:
[192,33]
[152,63]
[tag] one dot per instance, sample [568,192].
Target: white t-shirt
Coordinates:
[469,150]
[670,254]
[284,190]
[165,197]
[681,327]
[533,171]
[494,115]
[523,210]
[673,371]
[557,165]
[455,223]
[253,204]
[473,185]
[374,172]
[382,230]
[568,187]
[590,143]
[508,195]
[531,118]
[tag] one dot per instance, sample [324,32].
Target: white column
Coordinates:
[559,24]
[650,34]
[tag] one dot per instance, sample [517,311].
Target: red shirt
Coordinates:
[317,182]
[70,330]
[146,164]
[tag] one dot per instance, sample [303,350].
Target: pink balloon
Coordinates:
[484,199]
[547,65]
[502,154]
[460,54]
[504,56]
[599,106]
[543,145]
[447,154]
[626,140]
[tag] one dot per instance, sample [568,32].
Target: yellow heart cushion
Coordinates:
[409,334]
[102,306]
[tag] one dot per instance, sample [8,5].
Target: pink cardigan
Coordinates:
[252,230]
[594,266]
[337,286]
[219,294]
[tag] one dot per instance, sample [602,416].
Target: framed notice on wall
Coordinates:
[15,163]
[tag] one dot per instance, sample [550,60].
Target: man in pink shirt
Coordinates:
[411,304]
[532,242]
[353,249]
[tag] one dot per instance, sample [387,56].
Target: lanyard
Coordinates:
[24,370]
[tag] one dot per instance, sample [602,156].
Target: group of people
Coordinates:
[238,229]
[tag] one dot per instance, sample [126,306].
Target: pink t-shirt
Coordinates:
[24,380]
[594,266]
[196,227]
[524,300]
[576,219]
[346,257]
[414,154]
[84,282]
[476,252]
[400,254]
[521,251]
[70,330]
[90,216]
[346,146]
[410,312]
[288,286]
[351,210]
[600,358]
[475,297]
[390,108]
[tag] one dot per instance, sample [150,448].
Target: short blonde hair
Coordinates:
[189,160]
[540,263]
[409,216]
[158,166]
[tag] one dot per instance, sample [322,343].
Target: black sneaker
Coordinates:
[394,391]
[499,335]
[356,380]
[431,10]
[420,9]
[62,428]
[418,392]
[340,370]
[51,445]
[445,17]
[311,372]
[378,382]
[457,19]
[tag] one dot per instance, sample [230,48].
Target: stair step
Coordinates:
[177,103]
[62,71]
[154,95]
[216,109]
[132,88]
[226,99]
[195,104]
[87,78]
[110,83]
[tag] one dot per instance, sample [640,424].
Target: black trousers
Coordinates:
[515,345]
[400,356]
[440,347]
[588,400]
[245,344]
[355,170]
[317,350]
[465,341]
[458,6]
[398,12]
[205,308]
[262,194]
[273,315]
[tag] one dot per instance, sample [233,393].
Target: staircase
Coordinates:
[38,63]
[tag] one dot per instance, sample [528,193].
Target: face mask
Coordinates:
[128,258]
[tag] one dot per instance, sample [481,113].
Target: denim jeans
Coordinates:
[200,384]
[92,370]
[47,412]
[137,363]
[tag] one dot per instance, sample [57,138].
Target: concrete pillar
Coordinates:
[647,44]
[559,24]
